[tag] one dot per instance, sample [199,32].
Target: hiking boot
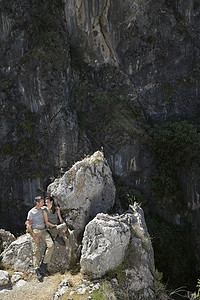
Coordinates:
[39,275]
[60,240]
[43,268]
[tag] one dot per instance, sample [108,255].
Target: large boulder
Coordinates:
[121,244]
[19,255]
[85,190]
[105,241]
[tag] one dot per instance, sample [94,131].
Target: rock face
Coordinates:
[120,243]
[54,83]
[76,75]
[34,106]
[83,191]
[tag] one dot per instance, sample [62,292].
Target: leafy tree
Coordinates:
[173,145]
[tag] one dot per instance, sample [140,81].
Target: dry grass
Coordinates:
[75,280]
[34,290]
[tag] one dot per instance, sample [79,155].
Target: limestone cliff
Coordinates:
[78,75]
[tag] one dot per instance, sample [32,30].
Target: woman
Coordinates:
[52,217]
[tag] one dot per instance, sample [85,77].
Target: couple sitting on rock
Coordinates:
[37,220]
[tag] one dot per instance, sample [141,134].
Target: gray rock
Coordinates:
[4,278]
[105,241]
[82,290]
[85,190]
[19,255]
[121,241]
[62,288]
[3,291]
[6,238]
[16,277]
[20,283]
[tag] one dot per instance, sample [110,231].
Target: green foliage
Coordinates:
[165,185]
[173,145]
[28,122]
[104,293]
[128,195]
[173,252]
[175,142]
[27,146]
[113,99]
[6,149]
[6,84]
[46,35]
[118,273]
[5,5]
[78,63]
[158,286]
[28,126]
[26,152]
[105,113]
[196,295]
[98,295]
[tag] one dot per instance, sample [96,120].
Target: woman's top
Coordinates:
[52,218]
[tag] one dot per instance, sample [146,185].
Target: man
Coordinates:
[36,227]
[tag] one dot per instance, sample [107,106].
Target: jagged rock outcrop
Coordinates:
[120,243]
[83,191]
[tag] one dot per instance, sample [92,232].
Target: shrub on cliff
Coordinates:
[174,145]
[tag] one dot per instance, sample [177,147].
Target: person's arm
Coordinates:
[59,215]
[29,228]
[46,219]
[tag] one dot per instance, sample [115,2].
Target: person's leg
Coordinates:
[57,233]
[49,251]
[36,255]
[53,232]
[60,229]
[55,236]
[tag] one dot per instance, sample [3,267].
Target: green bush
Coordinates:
[173,252]
[105,292]
[158,287]
[196,295]
[6,149]
[174,145]
[128,195]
